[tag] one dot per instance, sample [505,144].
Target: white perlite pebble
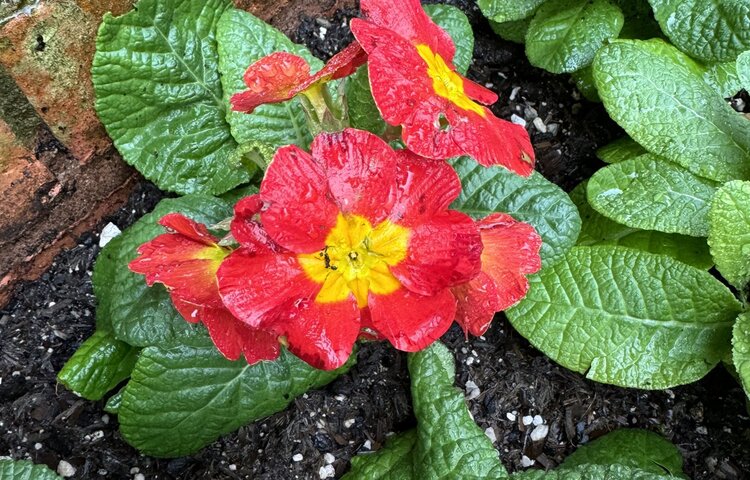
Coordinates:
[527,420]
[539,124]
[109,232]
[139,476]
[64,469]
[526,462]
[233,467]
[297,457]
[327,471]
[472,390]
[538,420]
[329,459]
[37,446]
[348,423]
[513,93]
[518,120]
[490,432]
[367,445]
[539,433]
[510,416]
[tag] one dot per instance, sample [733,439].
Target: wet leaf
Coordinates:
[513,31]
[729,232]
[508,10]
[392,462]
[741,350]
[723,78]
[624,148]
[591,472]
[25,470]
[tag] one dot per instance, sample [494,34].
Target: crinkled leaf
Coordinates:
[628,318]
[650,193]
[25,470]
[142,315]
[508,10]
[741,350]
[98,366]
[723,78]
[564,35]
[158,94]
[624,148]
[392,462]
[534,200]
[709,30]
[183,397]
[114,402]
[584,80]
[513,31]
[233,196]
[743,70]
[363,113]
[658,95]
[633,448]
[244,39]
[591,472]
[596,229]
[449,444]
[729,232]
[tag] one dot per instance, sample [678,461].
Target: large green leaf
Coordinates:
[658,95]
[709,30]
[98,366]
[564,35]
[392,462]
[653,194]
[628,318]
[244,39]
[741,350]
[507,10]
[363,113]
[723,78]
[513,31]
[743,70]
[729,232]
[634,448]
[624,148]
[591,472]
[596,229]
[138,314]
[534,200]
[449,444]
[158,94]
[25,470]
[584,80]
[183,397]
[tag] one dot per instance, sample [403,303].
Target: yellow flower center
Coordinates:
[447,83]
[357,259]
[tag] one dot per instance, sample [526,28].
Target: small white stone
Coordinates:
[323,31]
[109,232]
[472,390]
[538,420]
[518,120]
[134,470]
[470,360]
[64,469]
[105,419]
[702,430]
[37,446]
[349,422]
[327,471]
[340,398]
[139,476]
[328,458]
[233,467]
[490,432]
[539,124]
[297,457]
[510,416]
[539,433]
[513,93]
[526,462]
[367,445]
[527,420]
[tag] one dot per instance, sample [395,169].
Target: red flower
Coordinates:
[353,236]
[281,76]
[511,251]
[415,85]
[185,261]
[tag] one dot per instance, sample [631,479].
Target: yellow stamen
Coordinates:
[446,82]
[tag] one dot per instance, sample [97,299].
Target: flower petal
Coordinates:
[299,213]
[443,252]
[411,321]
[178,223]
[477,302]
[321,334]
[255,287]
[361,170]
[233,338]
[343,64]
[272,79]
[246,228]
[478,92]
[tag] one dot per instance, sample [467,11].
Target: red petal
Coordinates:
[246,227]
[233,338]
[361,171]
[321,334]
[443,252]
[408,19]
[343,64]
[477,302]
[299,213]
[478,93]
[178,223]
[272,79]
[410,321]
[426,188]
[255,287]
[511,251]
[191,312]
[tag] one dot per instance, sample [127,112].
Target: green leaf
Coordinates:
[591,472]
[743,70]
[114,402]
[652,194]
[508,10]
[513,31]
[158,94]
[392,462]
[142,315]
[723,78]
[633,448]
[658,95]
[363,113]
[624,148]
[564,35]
[534,200]
[234,196]
[25,470]
[584,80]
[98,366]
[729,232]
[449,444]
[183,397]
[244,39]
[741,350]
[596,229]
[709,30]
[628,318]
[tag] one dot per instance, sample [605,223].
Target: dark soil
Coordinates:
[49,318]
